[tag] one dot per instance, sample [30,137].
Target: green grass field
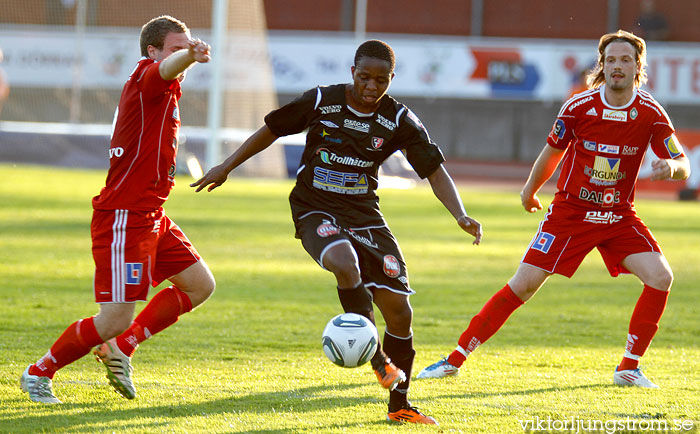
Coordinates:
[250,360]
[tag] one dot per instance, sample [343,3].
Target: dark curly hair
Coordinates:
[376,49]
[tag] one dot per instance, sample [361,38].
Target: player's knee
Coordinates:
[661,280]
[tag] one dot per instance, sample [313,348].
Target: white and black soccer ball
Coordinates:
[350,340]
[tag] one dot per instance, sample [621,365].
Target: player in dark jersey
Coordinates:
[352,129]
[134,244]
[602,135]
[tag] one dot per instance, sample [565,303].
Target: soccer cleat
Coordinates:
[410,414]
[632,377]
[118,366]
[439,369]
[389,375]
[39,388]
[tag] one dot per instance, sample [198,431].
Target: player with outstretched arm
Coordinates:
[134,244]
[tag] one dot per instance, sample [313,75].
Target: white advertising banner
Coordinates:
[446,67]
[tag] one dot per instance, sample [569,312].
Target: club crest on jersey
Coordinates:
[672,145]
[134,271]
[558,130]
[615,115]
[392,268]
[377,142]
[633,113]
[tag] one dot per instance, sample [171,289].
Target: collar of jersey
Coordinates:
[359,114]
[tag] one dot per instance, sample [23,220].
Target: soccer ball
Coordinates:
[350,340]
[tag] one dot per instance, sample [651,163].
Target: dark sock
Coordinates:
[401,353]
[357,300]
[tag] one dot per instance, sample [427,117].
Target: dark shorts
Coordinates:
[136,250]
[568,233]
[381,262]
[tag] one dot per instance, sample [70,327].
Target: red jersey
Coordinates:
[605,147]
[144,142]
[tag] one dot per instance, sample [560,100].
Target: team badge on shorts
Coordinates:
[134,271]
[392,268]
[543,242]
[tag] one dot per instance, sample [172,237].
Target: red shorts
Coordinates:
[134,250]
[568,233]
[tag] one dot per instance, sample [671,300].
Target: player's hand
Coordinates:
[471,226]
[199,50]
[530,202]
[661,169]
[214,177]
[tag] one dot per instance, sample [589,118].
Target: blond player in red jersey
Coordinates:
[134,244]
[602,136]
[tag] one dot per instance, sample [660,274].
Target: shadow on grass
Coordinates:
[22,415]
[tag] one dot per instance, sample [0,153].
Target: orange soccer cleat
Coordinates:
[389,375]
[410,414]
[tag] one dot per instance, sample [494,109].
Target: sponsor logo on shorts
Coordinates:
[392,268]
[327,109]
[134,271]
[326,229]
[543,242]
[606,198]
[558,130]
[615,115]
[176,113]
[362,239]
[601,217]
[356,125]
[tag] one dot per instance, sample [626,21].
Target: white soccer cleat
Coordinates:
[632,377]
[118,366]
[439,369]
[39,388]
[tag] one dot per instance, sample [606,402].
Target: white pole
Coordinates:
[80,23]
[219,30]
[360,19]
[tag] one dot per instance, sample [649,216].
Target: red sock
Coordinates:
[160,313]
[485,324]
[643,325]
[75,342]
